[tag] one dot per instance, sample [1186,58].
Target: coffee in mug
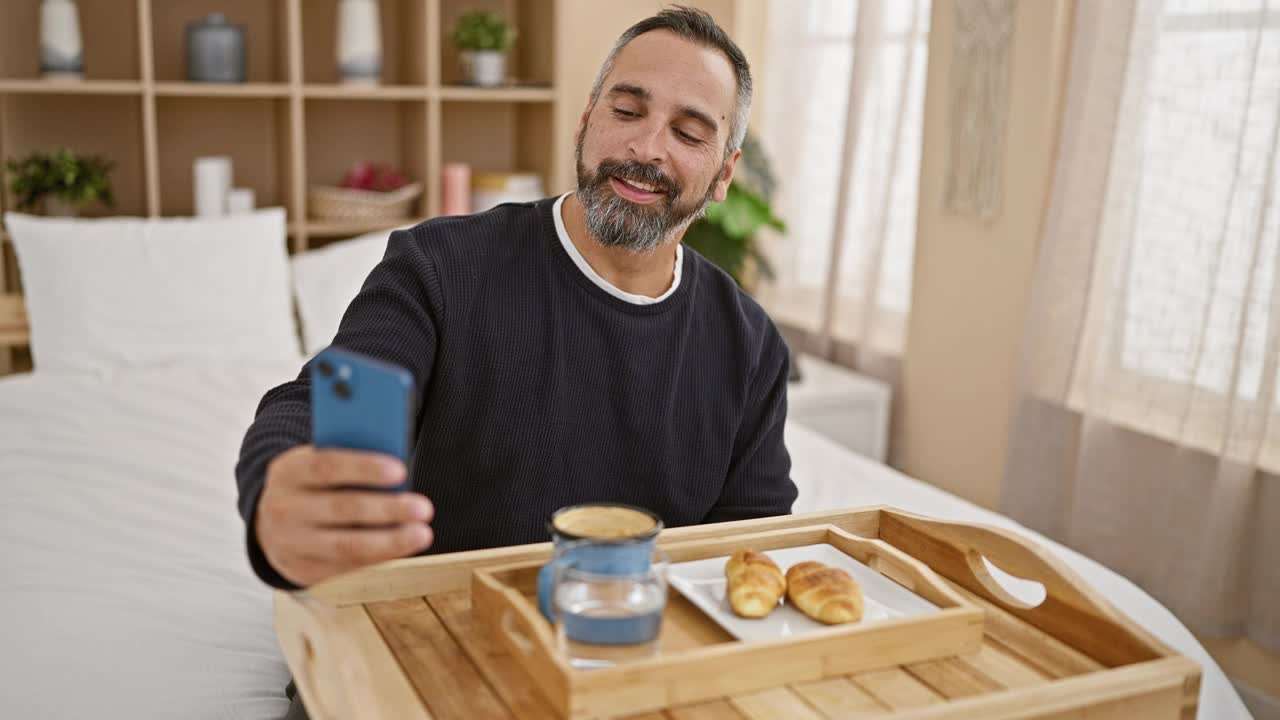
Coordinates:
[604,522]
[601,537]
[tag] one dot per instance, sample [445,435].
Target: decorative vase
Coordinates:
[485,68]
[215,51]
[61,51]
[55,206]
[359,42]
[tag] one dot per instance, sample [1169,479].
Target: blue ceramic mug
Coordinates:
[603,539]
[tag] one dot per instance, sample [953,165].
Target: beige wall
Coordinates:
[588,29]
[972,278]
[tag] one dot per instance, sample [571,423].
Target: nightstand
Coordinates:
[844,406]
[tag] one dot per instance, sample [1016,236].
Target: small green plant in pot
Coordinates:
[61,183]
[483,38]
[727,234]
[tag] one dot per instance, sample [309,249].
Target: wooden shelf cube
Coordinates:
[253,132]
[109,35]
[531,62]
[266,35]
[404,40]
[43,123]
[499,136]
[343,132]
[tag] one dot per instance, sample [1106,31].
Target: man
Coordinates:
[565,351]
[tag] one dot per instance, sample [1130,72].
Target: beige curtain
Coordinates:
[841,121]
[1147,425]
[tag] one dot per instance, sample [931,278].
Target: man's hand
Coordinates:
[310,529]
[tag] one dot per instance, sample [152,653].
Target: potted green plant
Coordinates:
[61,183]
[727,234]
[483,38]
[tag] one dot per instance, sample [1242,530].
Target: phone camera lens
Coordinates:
[326,370]
[342,390]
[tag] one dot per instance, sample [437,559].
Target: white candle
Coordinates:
[212,185]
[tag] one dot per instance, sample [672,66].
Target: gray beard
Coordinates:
[619,223]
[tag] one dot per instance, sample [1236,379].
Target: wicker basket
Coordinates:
[331,203]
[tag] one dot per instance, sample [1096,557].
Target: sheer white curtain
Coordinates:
[843,109]
[1148,426]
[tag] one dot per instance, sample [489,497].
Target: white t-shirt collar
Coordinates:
[594,277]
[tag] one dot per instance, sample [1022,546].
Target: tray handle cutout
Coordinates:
[321,641]
[1069,608]
[892,569]
[526,632]
[896,565]
[318,705]
[515,631]
[1012,590]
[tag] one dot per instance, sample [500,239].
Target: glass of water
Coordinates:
[607,618]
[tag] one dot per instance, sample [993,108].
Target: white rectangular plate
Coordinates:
[703,582]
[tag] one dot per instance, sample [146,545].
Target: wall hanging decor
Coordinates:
[978,99]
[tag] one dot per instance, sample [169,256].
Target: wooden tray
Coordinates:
[403,640]
[698,660]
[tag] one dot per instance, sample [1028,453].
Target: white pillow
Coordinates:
[328,279]
[119,293]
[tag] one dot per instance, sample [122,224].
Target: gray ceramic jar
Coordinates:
[215,50]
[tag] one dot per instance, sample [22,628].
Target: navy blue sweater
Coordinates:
[539,389]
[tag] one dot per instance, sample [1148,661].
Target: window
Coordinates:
[1201,281]
[811,56]
[1181,337]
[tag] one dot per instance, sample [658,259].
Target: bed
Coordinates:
[124,587]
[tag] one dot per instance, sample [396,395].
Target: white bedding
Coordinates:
[125,591]
[124,588]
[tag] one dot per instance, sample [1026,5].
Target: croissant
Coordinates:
[756,583]
[824,593]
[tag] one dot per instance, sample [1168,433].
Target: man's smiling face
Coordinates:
[651,148]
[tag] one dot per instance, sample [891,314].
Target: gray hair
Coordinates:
[699,27]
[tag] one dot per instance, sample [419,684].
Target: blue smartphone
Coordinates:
[360,403]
